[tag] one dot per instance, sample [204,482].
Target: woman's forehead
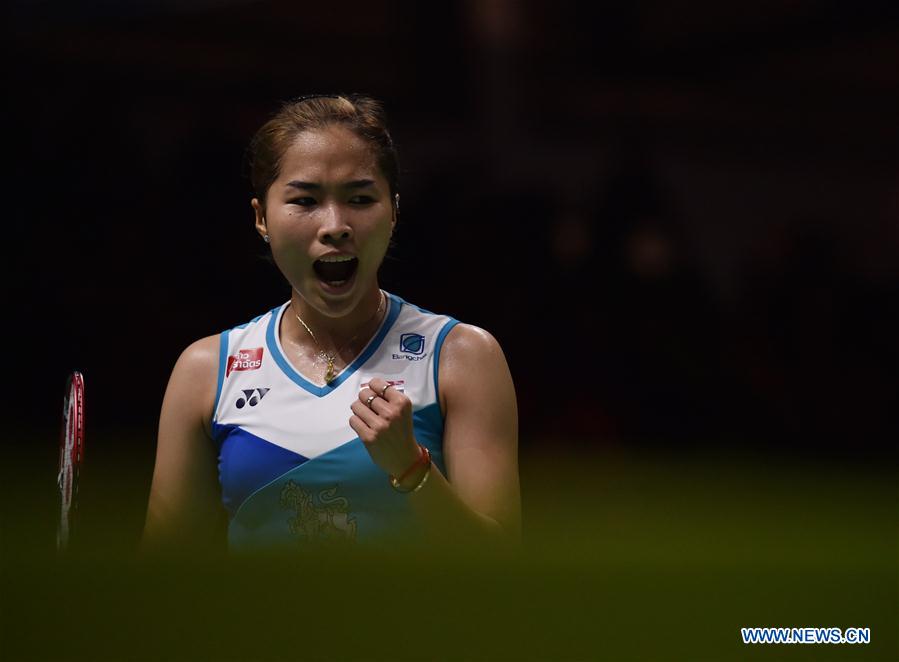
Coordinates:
[333,152]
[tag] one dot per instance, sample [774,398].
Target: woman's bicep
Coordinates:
[481,427]
[185,503]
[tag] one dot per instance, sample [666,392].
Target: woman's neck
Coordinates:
[333,333]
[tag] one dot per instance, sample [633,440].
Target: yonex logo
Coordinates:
[250,398]
[412,343]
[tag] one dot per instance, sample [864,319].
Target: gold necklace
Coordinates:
[330,374]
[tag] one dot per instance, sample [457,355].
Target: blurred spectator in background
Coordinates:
[642,351]
[819,342]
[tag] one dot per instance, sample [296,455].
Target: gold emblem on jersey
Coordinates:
[329,521]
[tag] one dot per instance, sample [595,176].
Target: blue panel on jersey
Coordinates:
[340,494]
[223,363]
[247,462]
[428,425]
[437,347]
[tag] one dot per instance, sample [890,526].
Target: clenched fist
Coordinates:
[382,417]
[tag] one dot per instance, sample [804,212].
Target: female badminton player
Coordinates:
[346,413]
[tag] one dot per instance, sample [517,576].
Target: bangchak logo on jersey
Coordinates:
[246,359]
[412,346]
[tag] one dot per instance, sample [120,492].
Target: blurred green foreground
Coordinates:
[626,556]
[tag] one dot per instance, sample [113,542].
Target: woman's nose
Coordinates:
[334,226]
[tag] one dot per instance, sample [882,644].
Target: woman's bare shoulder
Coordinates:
[470,350]
[200,357]
[194,379]
[467,344]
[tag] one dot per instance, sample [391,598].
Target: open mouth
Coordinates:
[336,271]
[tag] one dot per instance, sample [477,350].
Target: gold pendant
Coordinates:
[329,373]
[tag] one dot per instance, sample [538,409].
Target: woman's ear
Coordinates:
[396,209]
[261,227]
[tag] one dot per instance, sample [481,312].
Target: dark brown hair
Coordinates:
[361,114]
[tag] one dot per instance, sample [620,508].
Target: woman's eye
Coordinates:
[303,202]
[362,199]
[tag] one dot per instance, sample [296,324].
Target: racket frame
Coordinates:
[71,454]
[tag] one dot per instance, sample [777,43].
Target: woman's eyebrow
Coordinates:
[356,183]
[306,185]
[359,183]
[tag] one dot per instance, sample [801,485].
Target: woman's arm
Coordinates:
[185,507]
[478,501]
[480,439]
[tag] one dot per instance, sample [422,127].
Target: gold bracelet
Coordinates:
[395,484]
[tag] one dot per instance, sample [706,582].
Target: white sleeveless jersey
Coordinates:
[292,470]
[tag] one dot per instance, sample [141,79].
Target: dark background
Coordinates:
[681,224]
[681,221]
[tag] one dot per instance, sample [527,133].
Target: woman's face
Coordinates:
[329,218]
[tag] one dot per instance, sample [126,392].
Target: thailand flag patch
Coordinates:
[398,384]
